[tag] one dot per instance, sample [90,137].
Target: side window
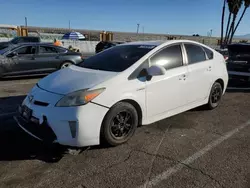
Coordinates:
[209,53]
[47,50]
[26,50]
[61,50]
[195,53]
[169,58]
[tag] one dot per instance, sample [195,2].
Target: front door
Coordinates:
[167,92]
[24,61]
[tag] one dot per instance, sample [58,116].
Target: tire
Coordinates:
[66,64]
[115,130]
[1,72]
[215,96]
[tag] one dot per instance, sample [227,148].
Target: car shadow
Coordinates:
[228,90]
[10,104]
[238,90]
[16,145]
[23,77]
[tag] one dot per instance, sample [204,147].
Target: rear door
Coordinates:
[200,67]
[48,58]
[239,59]
[25,61]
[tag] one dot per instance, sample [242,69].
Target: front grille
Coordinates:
[42,131]
[40,103]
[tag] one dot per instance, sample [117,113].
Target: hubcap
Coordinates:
[65,65]
[216,95]
[121,125]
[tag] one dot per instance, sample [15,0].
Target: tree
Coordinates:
[237,6]
[234,7]
[246,6]
[230,4]
[222,22]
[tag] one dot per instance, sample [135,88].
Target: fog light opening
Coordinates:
[72,126]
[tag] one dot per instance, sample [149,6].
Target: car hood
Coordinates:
[73,78]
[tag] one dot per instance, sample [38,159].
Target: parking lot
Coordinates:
[197,148]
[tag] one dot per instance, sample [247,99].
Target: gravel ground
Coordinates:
[194,149]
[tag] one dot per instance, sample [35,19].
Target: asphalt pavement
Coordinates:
[197,148]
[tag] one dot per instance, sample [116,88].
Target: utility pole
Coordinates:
[138,25]
[143,32]
[26,22]
[211,32]
[69,24]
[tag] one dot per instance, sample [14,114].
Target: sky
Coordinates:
[185,17]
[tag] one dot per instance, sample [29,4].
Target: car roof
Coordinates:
[15,46]
[151,43]
[27,37]
[159,42]
[35,43]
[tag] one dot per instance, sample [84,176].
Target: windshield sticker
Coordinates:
[147,46]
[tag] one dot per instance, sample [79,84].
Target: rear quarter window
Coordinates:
[209,53]
[61,50]
[195,53]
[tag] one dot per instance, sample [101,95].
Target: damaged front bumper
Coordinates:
[32,126]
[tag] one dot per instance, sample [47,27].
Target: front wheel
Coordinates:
[119,124]
[65,65]
[215,96]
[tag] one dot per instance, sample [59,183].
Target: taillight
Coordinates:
[226,58]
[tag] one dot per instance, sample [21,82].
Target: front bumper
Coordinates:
[72,126]
[42,132]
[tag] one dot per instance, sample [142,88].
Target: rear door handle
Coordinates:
[209,68]
[183,77]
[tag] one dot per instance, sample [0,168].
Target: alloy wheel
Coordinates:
[65,65]
[216,95]
[122,125]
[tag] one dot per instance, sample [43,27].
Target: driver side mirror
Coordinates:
[156,70]
[12,54]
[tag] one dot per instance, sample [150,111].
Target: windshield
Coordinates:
[117,59]
[8,49]
[14,40]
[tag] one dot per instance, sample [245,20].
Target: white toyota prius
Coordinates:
[108,95]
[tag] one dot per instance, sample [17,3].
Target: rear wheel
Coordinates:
[215,96]
[1,72]
[65,65]
[120,124]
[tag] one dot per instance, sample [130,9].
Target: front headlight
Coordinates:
[78,98]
